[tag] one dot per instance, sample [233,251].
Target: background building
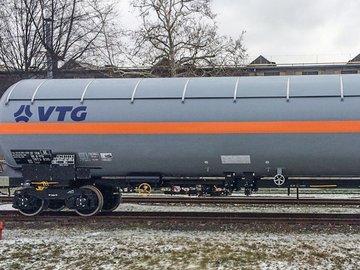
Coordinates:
[258,67]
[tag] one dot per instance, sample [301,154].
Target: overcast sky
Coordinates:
[288,30]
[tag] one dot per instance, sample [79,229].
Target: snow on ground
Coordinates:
[6,207]
[147,248]
[192,246]
[104,246]
[243,208]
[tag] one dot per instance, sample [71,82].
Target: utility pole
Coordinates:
[49,47]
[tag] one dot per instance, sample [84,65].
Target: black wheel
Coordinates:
[28,205]
[56,205]
[112,198]
[90,202]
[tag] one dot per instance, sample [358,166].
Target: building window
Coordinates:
[350,71]
[310,72]
[272,73]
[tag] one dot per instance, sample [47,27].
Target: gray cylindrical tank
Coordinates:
[304,125]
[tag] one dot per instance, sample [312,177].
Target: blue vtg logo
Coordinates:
[23,114]
[76,114]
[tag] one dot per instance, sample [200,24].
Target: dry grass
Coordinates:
[139,248]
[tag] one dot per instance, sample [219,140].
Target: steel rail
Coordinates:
[227,200]
[67,217]
[5,199]
[237,200]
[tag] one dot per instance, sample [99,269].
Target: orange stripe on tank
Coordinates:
[182,127]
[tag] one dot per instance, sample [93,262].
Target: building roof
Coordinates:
[76,65]
[355,59]
[261,60]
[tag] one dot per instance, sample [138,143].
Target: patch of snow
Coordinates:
[105,247]
[140,248]
[6,207]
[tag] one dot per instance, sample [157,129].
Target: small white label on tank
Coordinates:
[106,156]
[94,156]
[89,157]
[235,159]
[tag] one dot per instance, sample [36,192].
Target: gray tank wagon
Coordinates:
[66,139]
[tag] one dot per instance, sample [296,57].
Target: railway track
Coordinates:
[227,200]
[237,200]
[5,199]
[67,217]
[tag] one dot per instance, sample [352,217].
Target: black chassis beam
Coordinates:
[51,193]
[240,183]
[311,183]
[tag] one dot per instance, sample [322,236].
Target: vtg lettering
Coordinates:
[76,114]
[25,113]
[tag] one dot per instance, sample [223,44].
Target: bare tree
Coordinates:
[77,29]
[181,33]
[76,26]
[20,44]
[110,42]
[229,51]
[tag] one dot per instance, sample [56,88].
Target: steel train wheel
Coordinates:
[29,205]
[112,199]
[90,202]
